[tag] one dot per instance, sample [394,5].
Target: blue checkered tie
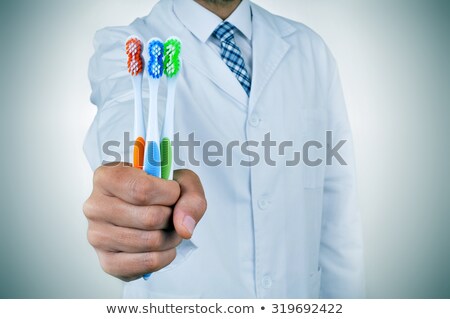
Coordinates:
[231,54]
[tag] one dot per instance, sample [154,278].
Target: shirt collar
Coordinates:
[202,22]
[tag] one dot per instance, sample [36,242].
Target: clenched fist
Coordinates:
[136,220]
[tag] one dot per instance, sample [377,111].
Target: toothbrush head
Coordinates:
[172,60]
[156,62]
[134,49]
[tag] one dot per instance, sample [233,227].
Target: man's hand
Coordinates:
[136,221]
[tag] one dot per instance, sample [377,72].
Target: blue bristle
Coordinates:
[156,59]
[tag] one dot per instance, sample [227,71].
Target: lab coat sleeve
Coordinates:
[108,139]
[112,94]
[341,249]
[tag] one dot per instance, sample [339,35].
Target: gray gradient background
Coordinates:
[395,67]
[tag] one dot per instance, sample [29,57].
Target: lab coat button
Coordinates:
[266,282]
[254,120]
[263,204]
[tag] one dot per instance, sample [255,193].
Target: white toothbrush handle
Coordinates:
[168,127]
[139,129]
[152,158]
[170,109]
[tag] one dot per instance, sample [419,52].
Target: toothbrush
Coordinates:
[152,158]
[172,66]
[135,68]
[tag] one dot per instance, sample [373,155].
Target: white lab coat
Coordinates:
[270,231]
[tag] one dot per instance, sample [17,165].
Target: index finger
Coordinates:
[134,186]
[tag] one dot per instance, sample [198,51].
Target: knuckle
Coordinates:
[107,264]
[199,203]
[191,176]
[99,174]
[92,208]
[158,260]
[94,237]
[148,222]
[139,189]
[172,255]
[151,260]
[150,218]
[158,240]
[152,239]
[184,174]
[88,208]
[115,266]
[174,190]
[91,238]
[154,217]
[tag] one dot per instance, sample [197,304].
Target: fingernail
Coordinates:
[189,224]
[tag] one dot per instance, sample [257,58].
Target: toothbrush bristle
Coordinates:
[172,61]
[134,50]
[156,58]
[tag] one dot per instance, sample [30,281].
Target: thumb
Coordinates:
[191,205]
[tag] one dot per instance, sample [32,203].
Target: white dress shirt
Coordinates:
[270,231]
[202,23]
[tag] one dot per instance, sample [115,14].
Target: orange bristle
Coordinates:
[134,49]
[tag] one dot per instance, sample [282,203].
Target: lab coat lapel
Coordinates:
[269,49]
[201,57]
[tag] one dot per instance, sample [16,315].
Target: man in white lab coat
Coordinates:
[254,90]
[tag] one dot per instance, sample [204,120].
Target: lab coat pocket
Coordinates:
[314,284]
[313,123]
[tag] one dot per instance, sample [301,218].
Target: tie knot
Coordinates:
[224,31]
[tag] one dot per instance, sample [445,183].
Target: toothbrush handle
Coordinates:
[166,158]
[152,162]
[139,130]
[147,276]
[152,159]
[155,167]
[138,153]
[167,135]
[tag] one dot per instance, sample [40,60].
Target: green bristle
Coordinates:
[172,62]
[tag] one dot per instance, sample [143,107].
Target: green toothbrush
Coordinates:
[172,67]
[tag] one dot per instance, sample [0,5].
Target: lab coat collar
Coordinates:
[202,58]
[269,49]
[202,22]
[241,18]
[198,54]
